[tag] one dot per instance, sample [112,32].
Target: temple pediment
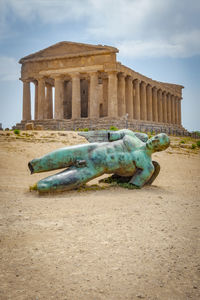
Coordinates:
[68,49]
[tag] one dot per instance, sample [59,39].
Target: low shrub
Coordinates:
[82,129]
[193,146]
[198,143]
[182,142]
[113,128]
[16,131]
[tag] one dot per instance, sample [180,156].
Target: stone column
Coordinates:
[41,98]
[112,94]
[121,95]
[26,101]
[36,99]
[169,108]
[176,109]
[172,110]
[67,99]
[149,103]
[143,102]
[155,104]
[105,97]
[94,99]
[59,98]
[164,107]
[129,96]
[160,106]
[76,96]
[48,102]
[179,111]
[136,103]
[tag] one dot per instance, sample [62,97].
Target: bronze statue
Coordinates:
[125,154]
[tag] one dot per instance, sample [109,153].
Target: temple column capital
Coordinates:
[143,83]
[74,75]
[92,74]
[112,72]
[129,78]
[137,81]
[154,88]
[59,77]
[121,75]
[40,77]
[25,80]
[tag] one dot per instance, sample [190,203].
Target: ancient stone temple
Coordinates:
[80,85]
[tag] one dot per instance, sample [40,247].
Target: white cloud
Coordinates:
[182,45]
[10,69]
[48,11]
[138,27]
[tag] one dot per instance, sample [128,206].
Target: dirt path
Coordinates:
[102,244]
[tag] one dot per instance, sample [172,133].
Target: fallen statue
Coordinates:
[124,153]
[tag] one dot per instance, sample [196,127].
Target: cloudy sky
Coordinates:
[158,38]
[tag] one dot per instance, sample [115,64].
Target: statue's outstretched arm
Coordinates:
[111,136]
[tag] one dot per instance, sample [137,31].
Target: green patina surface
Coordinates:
[123,153]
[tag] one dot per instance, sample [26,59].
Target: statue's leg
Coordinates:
[123,179]
[155,173]
[67,180]
[61,158]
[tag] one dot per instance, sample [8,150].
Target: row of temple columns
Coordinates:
[142,101]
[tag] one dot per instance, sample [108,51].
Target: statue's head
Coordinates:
[158,143]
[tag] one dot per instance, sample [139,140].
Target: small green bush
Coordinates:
[16,131]
[182,142]
[82,129]
[113,128]
[198,143]
[193,146]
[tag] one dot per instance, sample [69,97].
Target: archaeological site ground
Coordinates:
[101,242]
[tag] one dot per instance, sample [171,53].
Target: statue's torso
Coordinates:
[119,157]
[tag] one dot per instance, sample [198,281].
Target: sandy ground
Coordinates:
[110,243]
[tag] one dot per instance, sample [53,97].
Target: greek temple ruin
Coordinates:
[84,86]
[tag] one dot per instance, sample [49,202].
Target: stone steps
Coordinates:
[104,123]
